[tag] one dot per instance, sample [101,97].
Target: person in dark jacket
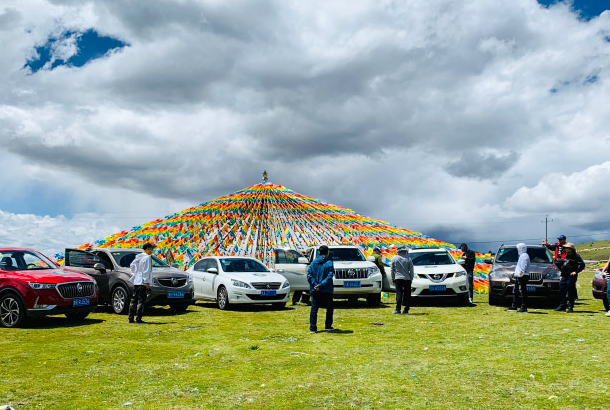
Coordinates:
[559,253]
[320,277]
[570,267]
[470,260]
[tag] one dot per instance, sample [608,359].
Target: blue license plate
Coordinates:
[531,288]
[351,284]
[268,292]
[438,288]
[175,295]
[81,302]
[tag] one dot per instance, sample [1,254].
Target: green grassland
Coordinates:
[438,357]
[594,255]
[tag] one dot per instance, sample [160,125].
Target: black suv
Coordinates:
[544,275]
[110,269]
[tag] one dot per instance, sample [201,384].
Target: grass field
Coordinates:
[594,255]
[256,358]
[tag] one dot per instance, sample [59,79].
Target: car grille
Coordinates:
[259,297]
[266,285]
[360,273]
[535,276]
[172,282]
[76,290]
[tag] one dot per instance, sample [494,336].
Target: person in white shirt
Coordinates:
[142,278]
[522,276]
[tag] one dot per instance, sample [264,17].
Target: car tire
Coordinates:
[178,307]
[494,300]
[352,299]
[77,316]
[222,298]
[374,300]
[12,310]
[120,300]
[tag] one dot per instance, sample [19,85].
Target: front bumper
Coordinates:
[548,289]
[599,288]
[159,296]
[454,287]
[354,287]
[60,310]
[251,296]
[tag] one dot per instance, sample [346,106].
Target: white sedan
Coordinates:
[237,280]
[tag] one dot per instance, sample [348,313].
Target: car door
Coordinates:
[209,281]
[84,261]
[287,264]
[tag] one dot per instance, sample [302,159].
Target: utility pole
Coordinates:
[546,228]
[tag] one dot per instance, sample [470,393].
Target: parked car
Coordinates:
[230,280]
[544,275]
[32,285]
[437,275]
[110,269]
[355,275]
[600,284]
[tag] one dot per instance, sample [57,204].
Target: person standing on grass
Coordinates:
[470,260]
[571,265]
[141,268]
[522,276]
[402,277]
[320,277]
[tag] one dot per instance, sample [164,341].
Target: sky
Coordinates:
[467,121]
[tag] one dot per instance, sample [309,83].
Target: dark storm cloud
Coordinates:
[482,166]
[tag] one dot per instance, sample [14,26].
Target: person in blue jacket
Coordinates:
[320,277]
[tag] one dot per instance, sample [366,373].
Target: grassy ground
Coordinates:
[594,255]
[253,358]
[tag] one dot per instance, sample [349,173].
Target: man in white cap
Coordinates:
[402,277]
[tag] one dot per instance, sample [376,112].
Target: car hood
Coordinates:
[433,269]
[160,272]
[256,276]
[534,267]
[58,275]
[352,264]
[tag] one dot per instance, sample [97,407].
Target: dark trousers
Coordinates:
[321,300]
[403,293]
[137,299]
[296,296]
[520,291]
[470,276]
[567,291]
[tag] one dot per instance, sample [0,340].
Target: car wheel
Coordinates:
[12,311]
[77,315]
[222,298]
[606,304]
[178,307]
[120,300]
[374,300]
[494,300]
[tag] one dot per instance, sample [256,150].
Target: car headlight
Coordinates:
[285,285]
[552,275]
[598,274]
[39,286]
[240,284]
[499,275]
[460,273]
[373,271]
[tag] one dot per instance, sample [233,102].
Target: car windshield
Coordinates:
[242,265]
[124,259]
[431,258]
[344,254]
[24,260]
[511,255]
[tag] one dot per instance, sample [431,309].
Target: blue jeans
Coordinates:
[470,276]
[567,290]
[321,300]
[520,289]
[608,290]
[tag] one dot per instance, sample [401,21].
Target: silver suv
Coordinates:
[110,269]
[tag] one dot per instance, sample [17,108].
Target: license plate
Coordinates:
[175,295]
[268,292]
[351,284]
[438,288]
[531,288]
[81,302]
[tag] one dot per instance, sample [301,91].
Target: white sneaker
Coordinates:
[608,314]
[470,301]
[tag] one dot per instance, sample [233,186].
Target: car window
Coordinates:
[344,254]
[205,264]
[511,255]
[287,256]
[431,258]
[81,259]
[24,260]
[242,265]
[124,259]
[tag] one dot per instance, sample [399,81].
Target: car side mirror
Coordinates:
[303,260]
[370,258]
[461,261]
[488,260]
[175,265]
[100,267]
[212,270]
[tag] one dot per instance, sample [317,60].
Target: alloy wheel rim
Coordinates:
[119,300]
[222,298]
[9,311]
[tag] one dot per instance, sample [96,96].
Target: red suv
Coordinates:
[32,285]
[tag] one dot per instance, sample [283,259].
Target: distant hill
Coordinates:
[595,251]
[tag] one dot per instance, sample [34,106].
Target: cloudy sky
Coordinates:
[467,121]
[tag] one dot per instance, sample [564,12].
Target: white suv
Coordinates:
[355,275]
[437,274]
